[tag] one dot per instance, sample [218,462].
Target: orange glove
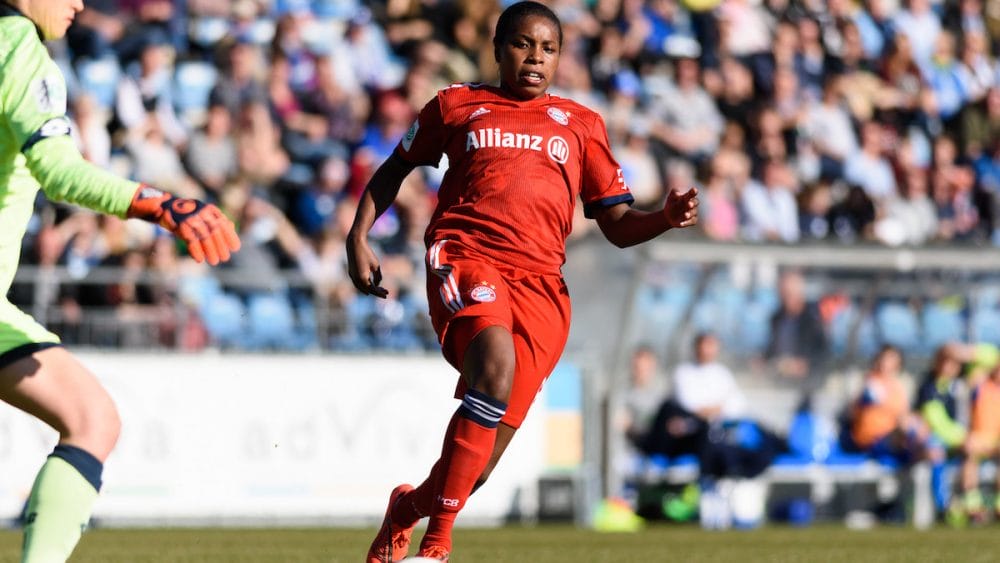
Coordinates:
[209,234]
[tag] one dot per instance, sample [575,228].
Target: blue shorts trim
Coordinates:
[21,352]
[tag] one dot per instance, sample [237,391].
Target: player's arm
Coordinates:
[607,197]
[422,145]
[33,102]
[65,176]
[381,191]
[624,226]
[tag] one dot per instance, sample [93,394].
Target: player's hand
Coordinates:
[210,236]
[363,267]
[681,209]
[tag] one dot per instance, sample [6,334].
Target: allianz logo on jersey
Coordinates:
[556,146]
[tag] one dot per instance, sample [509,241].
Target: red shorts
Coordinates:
[534,308]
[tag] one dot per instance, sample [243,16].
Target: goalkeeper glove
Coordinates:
[208,233]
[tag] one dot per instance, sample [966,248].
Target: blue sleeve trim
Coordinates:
[55,127]
[590,208]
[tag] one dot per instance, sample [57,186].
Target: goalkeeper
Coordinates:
[37,375]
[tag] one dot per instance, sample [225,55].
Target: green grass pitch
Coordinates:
[543,544]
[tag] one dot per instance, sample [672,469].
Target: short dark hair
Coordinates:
[517,12]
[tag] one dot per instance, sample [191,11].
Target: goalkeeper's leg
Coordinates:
[53,386]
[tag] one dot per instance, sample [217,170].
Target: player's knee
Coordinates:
[496,377]
[95,428]
[490,365]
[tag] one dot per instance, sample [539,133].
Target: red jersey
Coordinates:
[515,171]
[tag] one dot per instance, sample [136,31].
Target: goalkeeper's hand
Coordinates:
[209,234]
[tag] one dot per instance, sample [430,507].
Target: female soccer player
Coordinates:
[36,374]
[518,160]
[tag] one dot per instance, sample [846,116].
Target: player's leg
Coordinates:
[488,370]
[472,326]
[505,433]
[53,386]
[539,329]
[976,447]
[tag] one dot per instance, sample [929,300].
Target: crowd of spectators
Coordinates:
[943,415]
[842,120]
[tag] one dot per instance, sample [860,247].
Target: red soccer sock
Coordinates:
[467,449]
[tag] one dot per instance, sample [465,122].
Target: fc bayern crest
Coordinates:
[483,293]
[558,115]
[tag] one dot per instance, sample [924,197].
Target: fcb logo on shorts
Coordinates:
[558,115]
[484,293]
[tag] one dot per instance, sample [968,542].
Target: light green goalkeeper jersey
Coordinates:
[35,147]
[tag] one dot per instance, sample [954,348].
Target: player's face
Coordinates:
[528,57]
[53,17]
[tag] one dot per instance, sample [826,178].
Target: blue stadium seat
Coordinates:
[272,321]
[224,316]
[99,78]
[940,325]
[754,327]
[986,297]
[766,297]
[986,326]
[337,9]
[308,326]
[897,324]
[866,339]
[720,311]
[840,329]
[199,290]
[193,82]
[661,310]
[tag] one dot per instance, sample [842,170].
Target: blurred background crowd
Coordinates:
[873,121]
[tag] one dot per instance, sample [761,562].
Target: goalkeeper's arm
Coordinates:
[65,176]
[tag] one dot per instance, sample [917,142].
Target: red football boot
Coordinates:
[391,543]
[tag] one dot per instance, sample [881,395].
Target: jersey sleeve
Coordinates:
[33,102]
[423,144]
[603,183]
[32,89]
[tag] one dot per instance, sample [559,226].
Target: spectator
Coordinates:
[96,30]
[211,153]
[646,390]
[853,218]
[797,346]
[938,402]
[869,168]
[910,219]
[304,132]
[146,90]
[720,214]
[769,206]
[91,131]
[921,26]
[240,82]
[984,427]
[881,423]
[686,119]
[828,129]
[814,211]
[706,387]
[639,167]
[904,80]
[947,89]
[261,158]
[156,162]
